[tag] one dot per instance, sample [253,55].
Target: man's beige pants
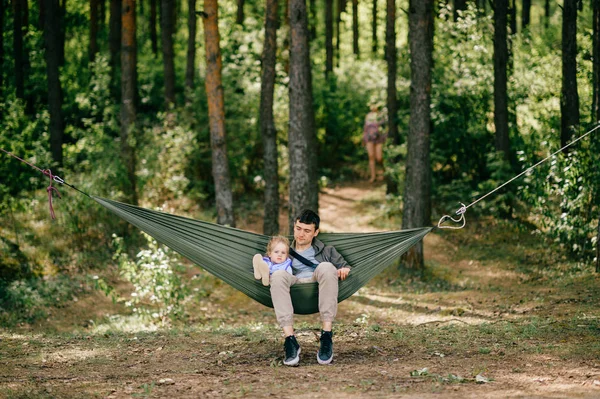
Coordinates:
[325,274]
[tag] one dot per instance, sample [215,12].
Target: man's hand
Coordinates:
[343,273]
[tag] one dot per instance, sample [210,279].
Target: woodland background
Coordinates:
[229,111]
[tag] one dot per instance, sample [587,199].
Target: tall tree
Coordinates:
[392,64]
[512,16]
[313,20]
[152,22]
[239,19]
[129,93]
[328,37]
[267,124]
[526,14]
[61,17]
[2,7]
[114,36]
[94,27]
[19,48]
[167,29]
[191,48]
[216,115]
[374,40]
[52,42]
[569,99]
[417,192]
[500,77]
[301,134]
[596,94]
[596,62]
[355,46]
[547,11]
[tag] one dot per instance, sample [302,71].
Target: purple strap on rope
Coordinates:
[46,172]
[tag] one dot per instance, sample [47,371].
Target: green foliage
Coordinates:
[158,289]
[25,301]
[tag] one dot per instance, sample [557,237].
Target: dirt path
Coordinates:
[485,322]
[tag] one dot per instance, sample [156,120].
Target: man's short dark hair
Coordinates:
[309,217]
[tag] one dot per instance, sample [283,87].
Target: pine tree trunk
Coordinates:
[374,39]
[417,191]
[190,69]
[312,21]
[94,16]
[355,46]
[128,94]
[63,31]
[526,15]
[18,48]
[512,16]
[500,77]
[569,100]
[2,10]
[52,42]
[596,63]
[267,124]
[392,64]
[167,28]
[114,35]
[216,115]
[302,141]
[328,37]
[152,21]
[240,12]
[547,14]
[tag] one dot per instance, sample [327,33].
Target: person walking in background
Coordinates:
[373,138]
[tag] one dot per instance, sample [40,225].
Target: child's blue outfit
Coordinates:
[286,265]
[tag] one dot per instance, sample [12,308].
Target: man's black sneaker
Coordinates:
[292,351]
[325,354]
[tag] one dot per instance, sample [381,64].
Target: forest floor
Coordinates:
[498,314]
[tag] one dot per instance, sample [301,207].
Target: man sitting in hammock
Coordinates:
[313,261]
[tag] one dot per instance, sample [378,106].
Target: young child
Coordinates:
[277,258]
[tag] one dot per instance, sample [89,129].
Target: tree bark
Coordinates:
[417,191]
[114,35]
[239,19]
[190,69]
[569,99]
[128,94]
[216,115]
[152,21]
[392,64]
[18,48]
[52,42]
[355,47]
[302,140]
[512,18]
[94,25]
[500,77]
[62,30]
[312,21]
[547,11]
[328,37]
[267,124]
[167,28]
[374,40]
[2,9]
[526,15]
[596,62]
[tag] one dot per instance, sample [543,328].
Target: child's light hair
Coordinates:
[276,240]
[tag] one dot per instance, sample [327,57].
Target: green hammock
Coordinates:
[227,252]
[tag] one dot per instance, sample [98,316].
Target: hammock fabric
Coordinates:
[227,252]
